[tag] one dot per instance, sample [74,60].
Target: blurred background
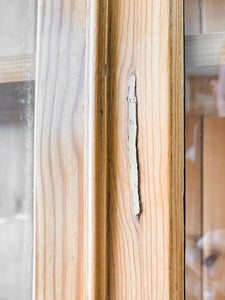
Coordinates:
[205,148]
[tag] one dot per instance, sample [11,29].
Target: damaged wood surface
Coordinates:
[146,254]
[132,130]
[89,243]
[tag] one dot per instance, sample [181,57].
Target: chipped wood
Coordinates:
[132,120]
[88,245]
[146,260]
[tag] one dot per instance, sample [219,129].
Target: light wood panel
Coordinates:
[71,150]
[59,166]
[214,206]
[146,253]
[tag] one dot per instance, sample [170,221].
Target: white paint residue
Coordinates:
[132,143]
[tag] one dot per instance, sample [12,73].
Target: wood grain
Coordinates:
[89,244]
[95,279]
[71,150]
[146,254]
[176,148]
[17,68]
[59,165]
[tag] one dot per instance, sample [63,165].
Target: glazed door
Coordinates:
[105,177]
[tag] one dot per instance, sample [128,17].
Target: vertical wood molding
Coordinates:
[59,166]
[71,150]
[89,243]
[177,150]
[96,151]
[146,255]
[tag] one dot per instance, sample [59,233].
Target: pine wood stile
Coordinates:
[146,255]
[60,106]
[71,152]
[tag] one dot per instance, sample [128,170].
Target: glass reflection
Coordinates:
[16,190]
[205,149]
[17,56]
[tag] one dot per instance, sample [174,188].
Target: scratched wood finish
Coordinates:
[146,254]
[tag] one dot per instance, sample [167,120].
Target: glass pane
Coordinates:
[17,56]
[205,149]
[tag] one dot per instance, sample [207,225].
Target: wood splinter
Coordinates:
[132,144]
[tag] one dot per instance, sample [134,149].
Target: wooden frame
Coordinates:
[17,68]
[89,243]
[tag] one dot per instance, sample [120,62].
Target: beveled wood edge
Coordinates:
[177,151]
[96,151]
[96,168]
